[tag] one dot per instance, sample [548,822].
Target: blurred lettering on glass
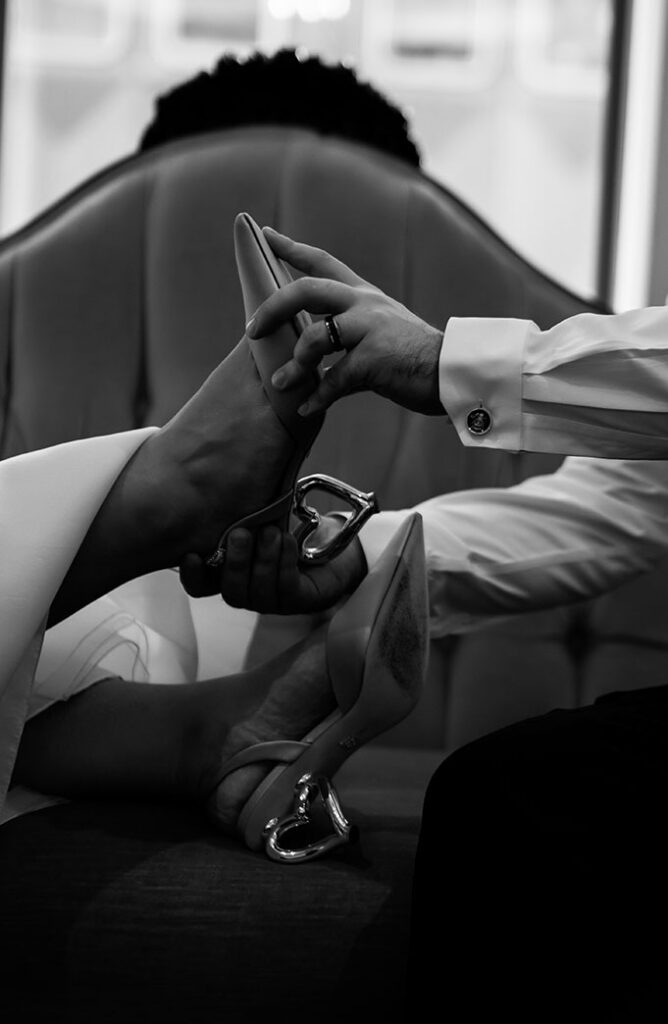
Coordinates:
[506,99]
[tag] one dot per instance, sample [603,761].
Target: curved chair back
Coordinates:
[118,301]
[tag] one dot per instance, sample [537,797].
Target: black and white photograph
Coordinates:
[334,511]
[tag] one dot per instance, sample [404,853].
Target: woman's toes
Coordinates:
[297,698]
[227,801]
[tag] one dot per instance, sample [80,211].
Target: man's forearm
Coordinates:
[551,540]
[594,385]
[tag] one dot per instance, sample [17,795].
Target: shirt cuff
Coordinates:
[480,379]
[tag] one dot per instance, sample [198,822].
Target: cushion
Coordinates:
[140,911]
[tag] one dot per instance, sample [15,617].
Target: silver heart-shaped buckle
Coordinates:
[308,789]
[363,504]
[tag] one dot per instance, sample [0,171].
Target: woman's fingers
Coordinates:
[309,259]
[262,572]
[259,569]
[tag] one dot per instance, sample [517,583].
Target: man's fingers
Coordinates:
[308,293]
[236,570]
[263,579]
[313,345]
[340,379]
[289,577]
[309,259]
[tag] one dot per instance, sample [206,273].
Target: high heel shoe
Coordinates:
[376,648]
[261,273]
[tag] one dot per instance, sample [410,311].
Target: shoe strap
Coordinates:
[282,751]
[274,513]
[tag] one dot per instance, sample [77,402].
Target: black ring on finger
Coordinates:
[333,333]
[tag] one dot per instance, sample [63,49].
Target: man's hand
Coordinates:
[262,572]
[385,347]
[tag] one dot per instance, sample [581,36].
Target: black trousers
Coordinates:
[540,889]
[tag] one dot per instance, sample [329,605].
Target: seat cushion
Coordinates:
[139,911]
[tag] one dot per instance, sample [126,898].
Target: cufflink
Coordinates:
[478,421]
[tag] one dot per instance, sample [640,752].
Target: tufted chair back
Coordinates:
[117,302]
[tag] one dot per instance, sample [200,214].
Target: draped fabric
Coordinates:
[48,499]
[148,630]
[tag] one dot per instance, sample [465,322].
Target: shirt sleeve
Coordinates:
[555,539]
[593,385]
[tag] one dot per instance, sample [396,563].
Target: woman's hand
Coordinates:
[262,572]
[384,347]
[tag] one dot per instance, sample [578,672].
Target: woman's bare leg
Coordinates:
[120,738]
[220,458]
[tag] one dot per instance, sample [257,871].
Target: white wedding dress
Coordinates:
[148,630]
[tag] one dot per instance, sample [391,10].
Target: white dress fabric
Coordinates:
[148,630]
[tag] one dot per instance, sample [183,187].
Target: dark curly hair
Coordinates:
[284,88]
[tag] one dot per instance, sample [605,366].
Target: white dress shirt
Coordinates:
[595,386]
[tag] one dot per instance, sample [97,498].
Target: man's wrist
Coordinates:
[432,365]
[481,368]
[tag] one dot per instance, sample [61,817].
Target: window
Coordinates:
[506,99]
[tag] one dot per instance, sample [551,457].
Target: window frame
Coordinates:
[613,244]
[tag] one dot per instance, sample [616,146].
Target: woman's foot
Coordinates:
[367,664]
[281,700]
[119,737]
[224,455]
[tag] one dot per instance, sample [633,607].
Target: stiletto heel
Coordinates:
[261,273]
[376,652]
